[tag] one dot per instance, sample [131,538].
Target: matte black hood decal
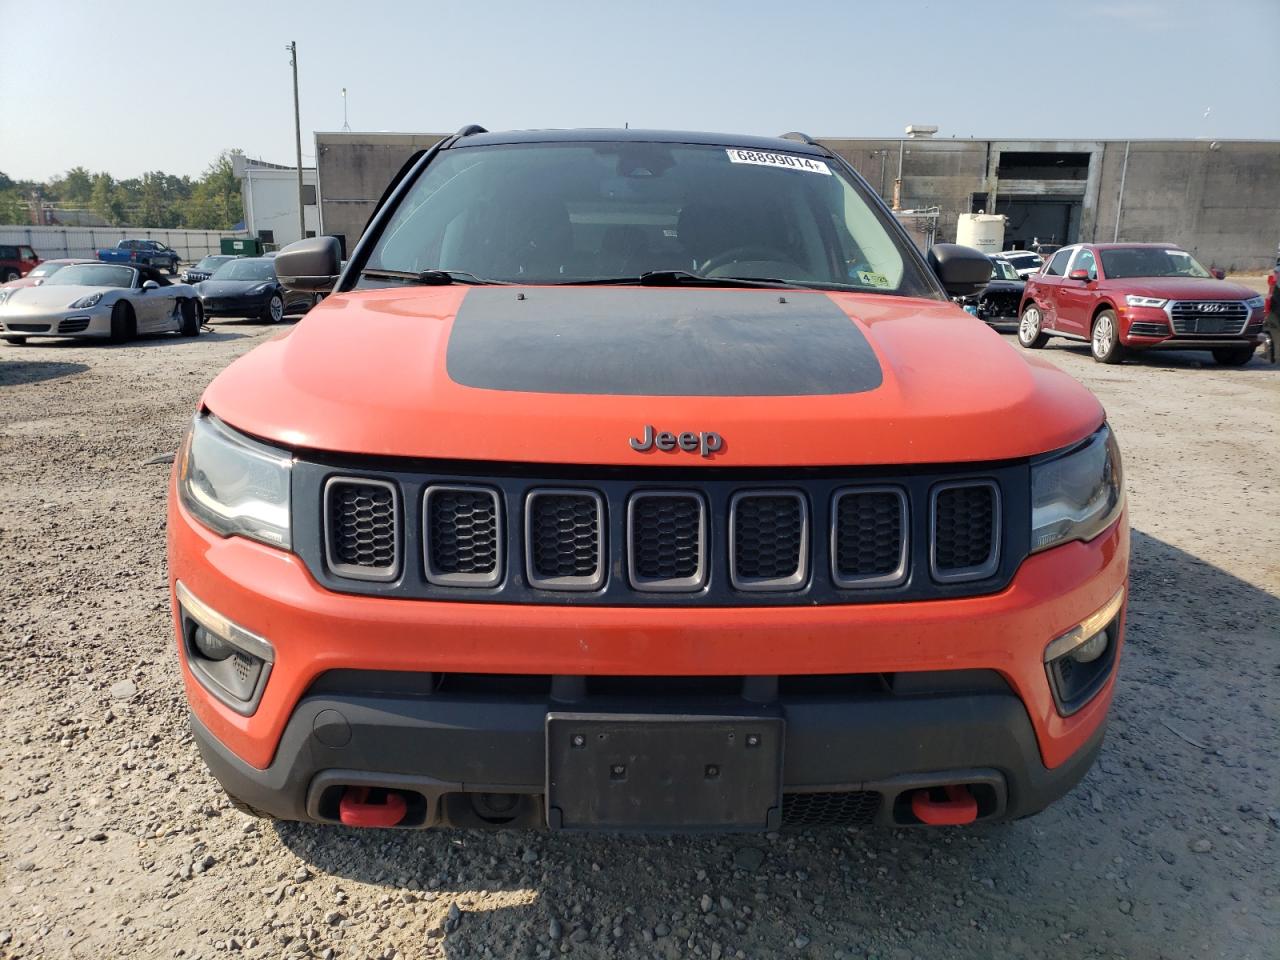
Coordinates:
[655,342]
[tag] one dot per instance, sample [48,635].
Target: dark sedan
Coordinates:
[998,303]
[248,287]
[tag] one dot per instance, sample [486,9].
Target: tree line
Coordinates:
[156,199]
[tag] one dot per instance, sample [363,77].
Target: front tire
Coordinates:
[273,312]
[1233,356]
[124,326]
[190,325]
[8,275]
[1104,341]
[1029,333]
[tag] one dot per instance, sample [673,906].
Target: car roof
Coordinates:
[612,134]
[1130,246]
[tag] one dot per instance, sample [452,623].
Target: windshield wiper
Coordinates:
[430,278]
[680,278]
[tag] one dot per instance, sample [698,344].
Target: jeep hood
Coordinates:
[568,374]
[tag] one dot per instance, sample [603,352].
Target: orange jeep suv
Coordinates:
[644,481]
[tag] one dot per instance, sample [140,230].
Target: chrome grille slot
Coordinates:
[666,540]
[869,537]
[362,528]
[1208,317]
[768,540]
[564,539]
[462,535]
[965,530]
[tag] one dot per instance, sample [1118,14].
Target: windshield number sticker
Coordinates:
[785,160]
[873,279]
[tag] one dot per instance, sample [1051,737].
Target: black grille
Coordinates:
[964,531]
[666,540]
[74,325]
[564,541]
[855,808]
[869,542]
[1143,328]
[769,540]
[463,536]
[1209,317]
[361,520]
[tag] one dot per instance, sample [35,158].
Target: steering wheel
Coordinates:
[747,252]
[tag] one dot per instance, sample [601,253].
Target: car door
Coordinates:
[1076,297]
[150,307]
[1047,285]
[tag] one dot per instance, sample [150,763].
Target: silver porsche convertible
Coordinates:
[100,300]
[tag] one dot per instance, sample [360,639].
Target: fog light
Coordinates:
[210,645]
[1079,662]
[1092,648]
[229,661]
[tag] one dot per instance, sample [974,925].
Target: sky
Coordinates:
[127,94]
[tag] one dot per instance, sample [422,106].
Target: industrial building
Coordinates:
[1220,199]
[270,194]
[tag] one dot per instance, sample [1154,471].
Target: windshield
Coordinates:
[1000,270]
[1151,262]
[92,275]
[1024,261]
[254,269]
[565,213]
[48,268]
[212,263]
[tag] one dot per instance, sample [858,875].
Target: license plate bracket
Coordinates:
[664,772]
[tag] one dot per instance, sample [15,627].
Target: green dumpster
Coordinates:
[242,246]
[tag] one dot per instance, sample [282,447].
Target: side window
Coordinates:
[26,253]
[8,253]
[1085,261]
[1058,265]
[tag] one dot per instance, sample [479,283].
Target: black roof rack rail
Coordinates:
[802,137]
[469,129]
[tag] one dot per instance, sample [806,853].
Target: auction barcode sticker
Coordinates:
[785,160]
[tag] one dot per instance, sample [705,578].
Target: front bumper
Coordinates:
[235,306]
[473,760]
[1148,328]
[94,322]
[272,757]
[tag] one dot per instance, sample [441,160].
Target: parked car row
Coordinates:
[95,300]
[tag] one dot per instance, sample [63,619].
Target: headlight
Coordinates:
[260,288]
[1255,303]
[1077,495]
[84,302]
[235,485]
[1134,301]
[5,295]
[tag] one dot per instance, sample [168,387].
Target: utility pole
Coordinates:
[297,134]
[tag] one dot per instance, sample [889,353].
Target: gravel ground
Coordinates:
[115,842]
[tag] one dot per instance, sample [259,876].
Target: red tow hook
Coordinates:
[960,807]
[356,810]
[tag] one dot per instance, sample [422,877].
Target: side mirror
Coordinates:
[1218,273]
[313,264]
[963,271]
[150,285]
[1078,275]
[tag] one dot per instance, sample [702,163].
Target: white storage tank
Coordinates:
[982,231]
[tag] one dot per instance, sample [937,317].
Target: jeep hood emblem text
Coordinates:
[705,443]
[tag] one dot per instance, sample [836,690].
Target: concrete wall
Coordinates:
[1221,201]
[51,243]
[271,202]
[354,169]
